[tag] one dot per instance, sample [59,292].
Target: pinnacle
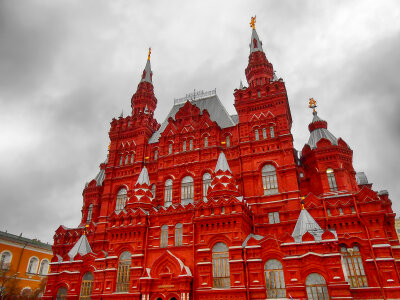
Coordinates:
[222,163]
[147,73]
[143,177]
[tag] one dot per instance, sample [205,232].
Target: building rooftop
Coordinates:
[23,240]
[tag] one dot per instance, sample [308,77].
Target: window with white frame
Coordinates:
[153,190]
[32,265]
[206,185]
[86,286]
[168,193]
[228,141]
[120,160]
[170,148]
[126,159]
[5,260]
[44,267]
[273,217]
[353,267]
[124,271]
[121,200]
[264,133]
[220,261]
[187,190]
[256,135]
[132,158]
[178,234]
[275,279]
[331,180]
[269,180]
[272,132]
[205,141]
[155,154]
[164,236]
[191,145]
[89,214]
[316,287]
[184,146]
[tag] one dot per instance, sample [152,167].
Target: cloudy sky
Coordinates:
[68,67]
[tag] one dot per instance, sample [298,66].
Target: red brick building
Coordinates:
[209,205]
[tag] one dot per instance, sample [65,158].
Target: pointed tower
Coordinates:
[144,96]
[327,160]
[259,70]
[223,184]
[306,223]
[142,195]
[82,247]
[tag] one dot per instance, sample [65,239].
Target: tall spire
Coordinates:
[147,73]
[259,70]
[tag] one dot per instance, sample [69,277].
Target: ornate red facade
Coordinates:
[212,206]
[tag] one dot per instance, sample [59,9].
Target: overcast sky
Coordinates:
[68,67]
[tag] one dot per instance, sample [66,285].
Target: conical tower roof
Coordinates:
[306,223]
[255,43]
[319,130]
[81,247]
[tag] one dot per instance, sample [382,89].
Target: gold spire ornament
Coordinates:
[302,202]
[253,22]
[148,57]
[312,104]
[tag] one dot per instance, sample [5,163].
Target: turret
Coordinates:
[327,160]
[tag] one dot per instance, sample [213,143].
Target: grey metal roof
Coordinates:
[251,235]
[306,223]
[147,76]
[321,133]
[23,240]
[361,178]
[235,118]
[212,104]
[143,177]
[82,247]
[101,175]
[254,35]
[222,163]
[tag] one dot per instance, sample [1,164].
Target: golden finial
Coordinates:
[253,22]
[85,229]
[109,146]
[148,57]
[302,202]
[312,104]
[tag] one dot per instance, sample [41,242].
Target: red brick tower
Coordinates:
[209,205]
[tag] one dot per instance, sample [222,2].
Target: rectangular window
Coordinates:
[168,196]
[221,277]
[264,132]
[178,236]
[155,154]
[228,141]
[271,129]
[273,217]
[184,146]
[170,148]
[206,142]
[187,193]
[257,137]
[191,145]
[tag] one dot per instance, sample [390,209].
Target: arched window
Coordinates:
[123,275]
[126,159]
[164,236]
[264,131]
[44,267]
[168,193]
[178,234]
[86,286]
[220,256]
[187,190]
[257,136]
[270,183]
[32,265]
[120,160]
[331,180]
[5,260]
[274,279]
[155,154]
[121,200]
[206,185]
[272,132]
[153,190]
[316,287]
[353,267]
[191,145]
[228,141]
[62,293]
[184,145]
[205,141]
[132,157]
[170,148]
[89,214]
